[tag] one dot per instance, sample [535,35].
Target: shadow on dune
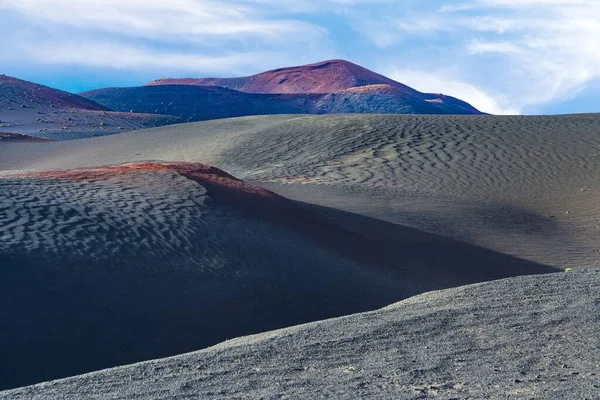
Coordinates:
[429,261]
[266,266]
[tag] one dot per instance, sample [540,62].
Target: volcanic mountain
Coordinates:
[323,77]
[37,110]
[326,77]
[328,87]
[17,92]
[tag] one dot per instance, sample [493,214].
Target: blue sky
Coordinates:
[503,56]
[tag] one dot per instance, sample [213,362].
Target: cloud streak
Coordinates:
[531,51]
[172,36]
[152,18]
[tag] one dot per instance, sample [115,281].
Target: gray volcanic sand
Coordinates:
[521,338]
[92,262]
[148,264]
[99,273]
[524,186]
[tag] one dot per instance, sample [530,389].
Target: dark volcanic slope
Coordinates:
[36,110]
[120,264]
[114,265]
[520,338]
[323,77]
[334,86]
[389,99]
[199,103]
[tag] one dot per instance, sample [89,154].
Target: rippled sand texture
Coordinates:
[525,186]
[100,269]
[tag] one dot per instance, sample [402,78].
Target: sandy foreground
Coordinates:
[112,265]
[521,338]
[108,266]
[115,263]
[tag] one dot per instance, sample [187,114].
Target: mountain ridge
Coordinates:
[327,87]
[323,77]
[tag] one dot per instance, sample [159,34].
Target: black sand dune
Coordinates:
[524,186]
[18,137]
[114,265]
[534,337]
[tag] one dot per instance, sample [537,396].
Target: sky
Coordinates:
[502,56]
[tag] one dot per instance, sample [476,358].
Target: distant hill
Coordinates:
[24,94]
[323,77]
[198,103]
[37,110]
[324,88]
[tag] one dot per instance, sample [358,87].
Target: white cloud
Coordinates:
[123,56]
[531,51]
[177,35]
[157,18]
[479,47]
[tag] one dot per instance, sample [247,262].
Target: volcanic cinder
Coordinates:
[526,337]
[524,186]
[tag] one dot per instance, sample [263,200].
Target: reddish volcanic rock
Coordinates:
[323,77]
[333,86]
[230,190]
[201,173]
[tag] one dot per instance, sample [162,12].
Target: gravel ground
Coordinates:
[535,337]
